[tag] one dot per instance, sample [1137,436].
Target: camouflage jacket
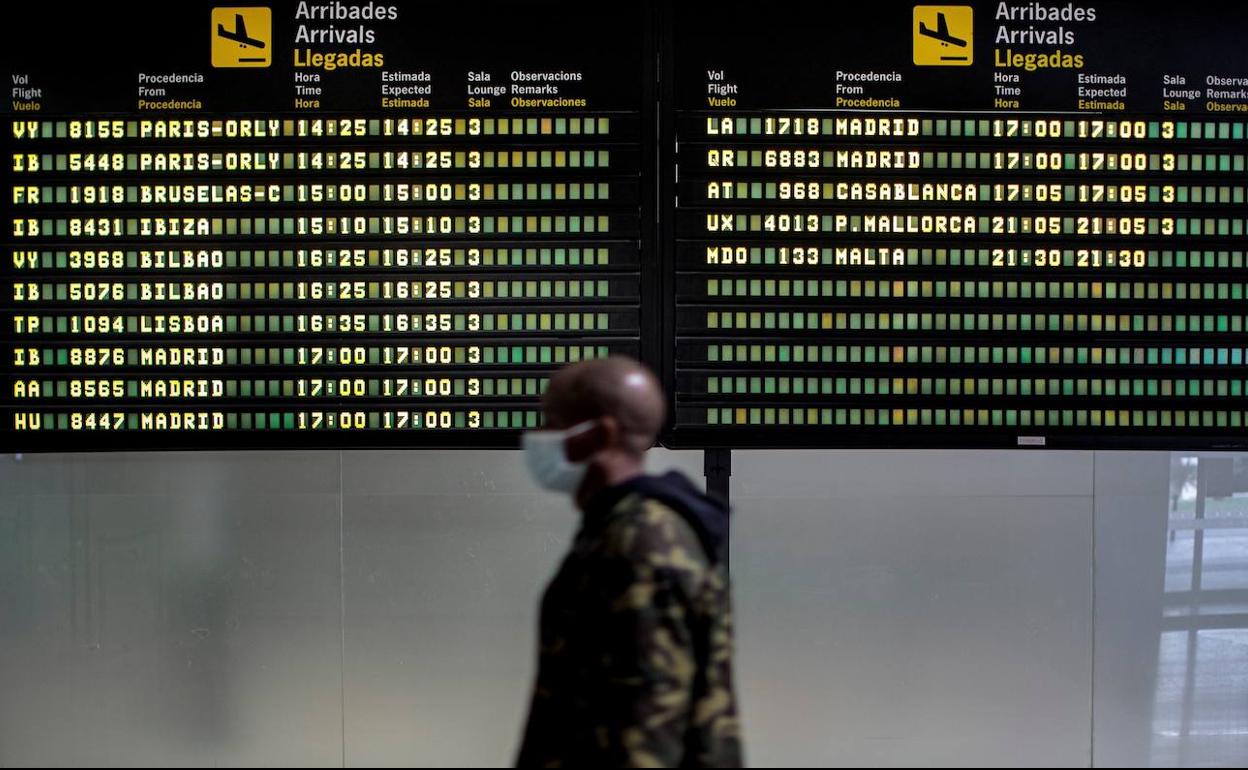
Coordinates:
[635,667]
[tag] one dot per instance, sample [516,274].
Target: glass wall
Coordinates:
[362,608]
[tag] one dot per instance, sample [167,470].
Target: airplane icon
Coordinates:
[242,37]
[941,32]
[949,41]
[239,34]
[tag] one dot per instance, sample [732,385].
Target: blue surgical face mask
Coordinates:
[547,461]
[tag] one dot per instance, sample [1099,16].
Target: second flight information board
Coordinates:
[365,224]
[314,224]
[984,224]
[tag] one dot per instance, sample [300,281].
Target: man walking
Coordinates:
[635,666]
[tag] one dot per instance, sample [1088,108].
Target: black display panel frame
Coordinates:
[610,46]
[661,286]
[759,22]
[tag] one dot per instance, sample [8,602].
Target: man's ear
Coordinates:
[602,433]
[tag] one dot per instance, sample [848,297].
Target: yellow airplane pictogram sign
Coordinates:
[944,35]
[242,37]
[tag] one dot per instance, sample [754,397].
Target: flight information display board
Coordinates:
[315,223]
[983,224]
[356,224]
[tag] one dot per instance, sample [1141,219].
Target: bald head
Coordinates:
[617,387]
